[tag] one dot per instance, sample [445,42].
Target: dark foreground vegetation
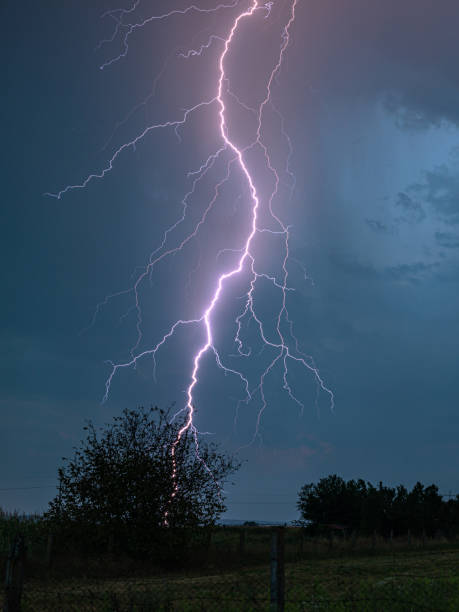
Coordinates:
[134,527]
[228,568]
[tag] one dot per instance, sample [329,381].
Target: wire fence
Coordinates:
[237,592]
[285,577]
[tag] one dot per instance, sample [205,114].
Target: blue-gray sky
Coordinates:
[370,96]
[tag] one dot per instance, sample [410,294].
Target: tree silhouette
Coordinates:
[359,505]
[120,482]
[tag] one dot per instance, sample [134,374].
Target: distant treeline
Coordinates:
[361,507]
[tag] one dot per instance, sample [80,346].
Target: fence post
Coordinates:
[14,575]
[277,570]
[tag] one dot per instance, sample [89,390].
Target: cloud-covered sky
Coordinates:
[370,96]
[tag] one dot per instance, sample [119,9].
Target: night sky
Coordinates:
[369,92]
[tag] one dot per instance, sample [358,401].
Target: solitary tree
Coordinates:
[125,481]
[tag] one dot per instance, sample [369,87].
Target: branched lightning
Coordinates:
[281,341]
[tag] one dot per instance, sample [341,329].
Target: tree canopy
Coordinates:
[359,505]
[120,479]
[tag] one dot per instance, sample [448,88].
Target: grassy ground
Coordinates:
[391,578]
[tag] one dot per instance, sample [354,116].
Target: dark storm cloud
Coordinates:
[421,82]
[403,52]
[353,268]
[440,190]
[412,209]
[378,226]
[412,272]
[408,117]
[414,111]
[364,317]
[447,240]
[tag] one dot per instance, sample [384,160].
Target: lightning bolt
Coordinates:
[283,344]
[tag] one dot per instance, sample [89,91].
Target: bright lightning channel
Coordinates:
[286,348]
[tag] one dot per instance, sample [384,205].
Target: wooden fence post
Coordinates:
[277,570]
[14,576]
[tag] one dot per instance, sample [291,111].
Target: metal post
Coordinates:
[277,570]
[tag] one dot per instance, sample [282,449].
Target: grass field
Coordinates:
[393,579]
